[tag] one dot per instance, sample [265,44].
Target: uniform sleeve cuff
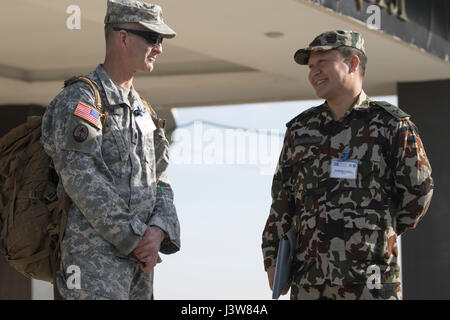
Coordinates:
[131,239]
[171,242]
[138,227]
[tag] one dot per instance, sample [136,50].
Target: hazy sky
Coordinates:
[222,180]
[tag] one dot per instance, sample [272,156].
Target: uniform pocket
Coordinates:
[365,235]
[304,151]
[368,175]
[306,173]
[115,149]
[120,142]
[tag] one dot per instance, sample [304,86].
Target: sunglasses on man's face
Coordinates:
[152,38]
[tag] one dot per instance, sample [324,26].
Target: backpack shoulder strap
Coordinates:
[98,100]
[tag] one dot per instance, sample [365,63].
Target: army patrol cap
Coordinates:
[132,11]
[330,40]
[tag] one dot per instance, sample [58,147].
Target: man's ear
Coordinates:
[123,38]
[353,63]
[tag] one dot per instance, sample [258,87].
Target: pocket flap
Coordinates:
[364,219]
[124,151]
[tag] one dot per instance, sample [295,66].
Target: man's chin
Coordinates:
[148,68]
[321,94]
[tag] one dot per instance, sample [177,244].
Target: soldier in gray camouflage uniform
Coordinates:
[122,212]
[352,176]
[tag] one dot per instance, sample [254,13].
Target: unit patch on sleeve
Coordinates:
[87,113]
[80,133]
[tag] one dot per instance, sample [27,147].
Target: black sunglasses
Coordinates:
[152,38]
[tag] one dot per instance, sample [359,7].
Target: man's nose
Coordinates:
[158,49]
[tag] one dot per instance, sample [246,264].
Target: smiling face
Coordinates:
[329,74]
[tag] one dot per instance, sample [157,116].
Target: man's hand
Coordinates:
[271,276]
[148,248]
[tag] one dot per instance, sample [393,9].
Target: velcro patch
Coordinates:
[87,113]
[306,140]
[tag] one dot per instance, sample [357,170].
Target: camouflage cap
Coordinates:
[132,11]
[330,40]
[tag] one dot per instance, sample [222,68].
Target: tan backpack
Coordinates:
[32,217]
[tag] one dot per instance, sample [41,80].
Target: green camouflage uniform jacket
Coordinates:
[348,226]
[116,178]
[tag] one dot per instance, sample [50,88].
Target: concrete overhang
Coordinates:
[225,52]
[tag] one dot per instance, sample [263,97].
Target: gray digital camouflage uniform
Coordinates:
[348,228]
[116,178]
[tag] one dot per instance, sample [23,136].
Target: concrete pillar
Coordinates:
[426,250]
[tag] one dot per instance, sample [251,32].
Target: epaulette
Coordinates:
[396,112]
[305,114]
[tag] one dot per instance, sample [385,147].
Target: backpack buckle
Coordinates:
[51,197]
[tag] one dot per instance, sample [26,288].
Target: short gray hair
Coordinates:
[109,28]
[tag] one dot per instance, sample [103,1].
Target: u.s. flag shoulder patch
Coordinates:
[87,113]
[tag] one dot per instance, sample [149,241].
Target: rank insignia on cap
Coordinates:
[87,113]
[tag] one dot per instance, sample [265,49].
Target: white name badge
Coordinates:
[344,169]
[145,123]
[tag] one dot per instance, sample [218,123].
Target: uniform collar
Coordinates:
[113,93]
[362,103]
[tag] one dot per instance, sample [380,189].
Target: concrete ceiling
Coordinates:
[221,54]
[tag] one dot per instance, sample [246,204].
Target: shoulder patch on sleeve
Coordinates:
[88,113]
[80,136]
[396,112]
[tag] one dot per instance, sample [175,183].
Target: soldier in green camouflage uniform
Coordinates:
[352,176]
[122,212]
